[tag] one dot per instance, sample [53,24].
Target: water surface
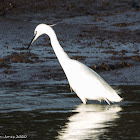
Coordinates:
[52,112]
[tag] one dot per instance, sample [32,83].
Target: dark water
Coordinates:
[52,112]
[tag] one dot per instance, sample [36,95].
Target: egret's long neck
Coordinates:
[60,54]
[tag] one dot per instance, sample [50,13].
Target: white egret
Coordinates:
[85,82]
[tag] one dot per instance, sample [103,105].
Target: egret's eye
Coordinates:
[35,32]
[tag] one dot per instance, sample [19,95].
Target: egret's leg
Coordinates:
[107,100]
[84,100]
[71,89]
[100,101]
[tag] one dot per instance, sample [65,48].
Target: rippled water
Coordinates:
[53,112]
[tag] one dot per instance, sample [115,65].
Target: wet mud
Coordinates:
[103,35]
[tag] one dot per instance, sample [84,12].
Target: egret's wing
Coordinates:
[80,72]
[88,83]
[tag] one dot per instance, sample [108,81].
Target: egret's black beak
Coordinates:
[32,41]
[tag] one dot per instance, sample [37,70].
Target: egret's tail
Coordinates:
[114,97]
[117,99]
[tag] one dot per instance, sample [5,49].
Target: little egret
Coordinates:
[85,82]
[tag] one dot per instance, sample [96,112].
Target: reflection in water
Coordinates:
[89,122]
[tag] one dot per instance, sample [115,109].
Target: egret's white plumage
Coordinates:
[85,82]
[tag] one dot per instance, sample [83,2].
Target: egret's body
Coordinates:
[85,82]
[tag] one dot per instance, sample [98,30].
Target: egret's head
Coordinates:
[40,30]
